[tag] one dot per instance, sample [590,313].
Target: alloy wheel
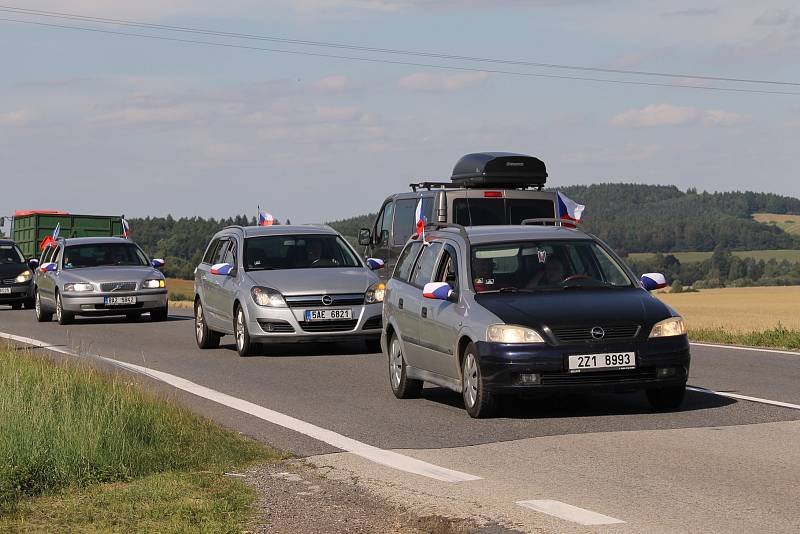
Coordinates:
[240,329]
[396,363]
[470,380]
[198,323]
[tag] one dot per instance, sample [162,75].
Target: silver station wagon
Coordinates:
[281,284]
[98,276]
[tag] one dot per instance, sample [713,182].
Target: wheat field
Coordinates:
[738,309]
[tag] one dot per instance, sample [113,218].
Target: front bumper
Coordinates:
[503,364]
[19,293]
[94,303]
[287,325]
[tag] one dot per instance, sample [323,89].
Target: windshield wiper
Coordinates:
[594,284]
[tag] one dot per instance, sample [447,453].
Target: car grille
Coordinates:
[328,326]
[277,327]
[598,377]
[305,301]
[373,323]
[118,286]
[572,334]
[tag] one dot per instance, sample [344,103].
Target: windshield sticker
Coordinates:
[542,256]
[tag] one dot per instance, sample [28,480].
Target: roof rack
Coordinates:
[557,222]
[462,231]
[434,185]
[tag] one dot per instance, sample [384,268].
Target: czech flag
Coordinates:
[420,220]
[223,269]
[126,228]
[653,281]
[50,241]
[264,218]
[569,210]
[436,290]
[375,263]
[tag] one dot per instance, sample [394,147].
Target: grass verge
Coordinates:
[108,441]
[779,337]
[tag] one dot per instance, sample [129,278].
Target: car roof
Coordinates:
[7,242]
[280,229]
[95,240]
[479,235]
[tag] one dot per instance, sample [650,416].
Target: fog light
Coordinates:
[529,379]
[665,372]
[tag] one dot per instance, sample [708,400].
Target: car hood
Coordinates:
[576,307]
[109,274]
[11,270]
[315,281]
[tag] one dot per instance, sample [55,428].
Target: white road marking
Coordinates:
[381,456]
[568,512]
[735,347]
[745,397]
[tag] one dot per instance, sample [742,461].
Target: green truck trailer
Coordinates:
[29,228]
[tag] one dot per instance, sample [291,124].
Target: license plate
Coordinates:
[5,290]
[596,362]
[328,315]
[119,301]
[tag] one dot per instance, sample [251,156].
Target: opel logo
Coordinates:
[327,300]
[597,333]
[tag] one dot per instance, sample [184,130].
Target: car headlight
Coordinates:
[22,277]
[509,333]
[375,293]
[78,287]
[674,326]
[154,284]
[265,296]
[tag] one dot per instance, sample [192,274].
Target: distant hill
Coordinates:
[654,218]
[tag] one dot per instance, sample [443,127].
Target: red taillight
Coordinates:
[492,194]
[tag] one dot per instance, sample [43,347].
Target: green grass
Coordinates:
[67,425]
[178,297]
[689,257]
[778,337]
[164,502]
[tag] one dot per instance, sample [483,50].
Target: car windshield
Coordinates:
[544,265]
[103,255]
[297,252]
[10,254]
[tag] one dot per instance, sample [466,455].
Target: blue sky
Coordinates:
[95,123]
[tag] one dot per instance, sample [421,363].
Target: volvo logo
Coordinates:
[597,333]
[327,300]
[117,287]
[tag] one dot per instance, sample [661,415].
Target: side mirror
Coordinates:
[364,236]
[33,263]
[157,263]
[47,267]
[375,264]
[653,281]
[437,290]
[223,269]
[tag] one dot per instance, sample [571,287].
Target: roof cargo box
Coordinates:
[499,169]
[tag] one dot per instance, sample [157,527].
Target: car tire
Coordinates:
[244,345]
[666,398]
[402,386]
[478,402]
[16,306]
[205,337]
[160,315]
[62,317]
[373,345]
[42,315]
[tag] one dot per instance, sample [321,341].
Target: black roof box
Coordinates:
[499,169]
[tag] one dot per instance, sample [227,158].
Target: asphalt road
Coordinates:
[718,464]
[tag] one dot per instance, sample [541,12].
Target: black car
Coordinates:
[16,276]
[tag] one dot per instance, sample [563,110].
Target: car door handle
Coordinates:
[400,304]
[424,312]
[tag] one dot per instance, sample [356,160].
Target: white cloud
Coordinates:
[336,82]
[17,117]
[669,115]
[440,82]
[656,115]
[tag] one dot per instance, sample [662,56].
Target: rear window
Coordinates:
[491,211]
